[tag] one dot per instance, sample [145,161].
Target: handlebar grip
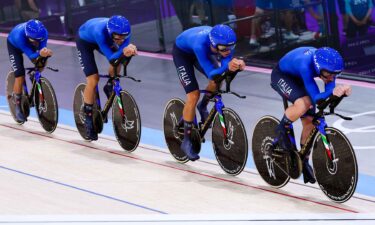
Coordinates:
[121,59]
[332,101]
[40,61]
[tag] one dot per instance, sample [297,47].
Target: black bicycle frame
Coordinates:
[116,87]
[35,76]
[320,126]
[219,105]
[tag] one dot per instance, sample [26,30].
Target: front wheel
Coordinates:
[46,105]
[126,121]
[338,178]
[230,152]
[271,165]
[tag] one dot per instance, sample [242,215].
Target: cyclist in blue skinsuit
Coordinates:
[293,79]
[29,38]
[209,50]
[111,38]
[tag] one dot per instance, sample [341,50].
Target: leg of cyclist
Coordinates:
[16,60]
[202,106]
[211,87]
[293,90]
[308,174]
[185,69]
[292,113]
[108,87]
[88,97]
[87,60]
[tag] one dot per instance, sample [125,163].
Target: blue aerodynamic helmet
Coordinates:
[328,59]
[222,35]
[118,25]
[35,29]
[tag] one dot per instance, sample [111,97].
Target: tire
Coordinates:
[231,156]
[25,105]
[173,130]
[339,181]
[47,110]
[79,115]
[272,167]
[127,128]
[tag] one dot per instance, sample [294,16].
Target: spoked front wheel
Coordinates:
[126,121]
[272,166]
[46,105]
[338,178]
[230,152]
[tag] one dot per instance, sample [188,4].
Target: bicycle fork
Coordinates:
[219,105]
[330,153]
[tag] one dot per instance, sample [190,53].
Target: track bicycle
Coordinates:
[229,138]
[333,157]
[42,96]
[126,118]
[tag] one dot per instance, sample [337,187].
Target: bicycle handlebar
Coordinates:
[115,63]
[332,102]
[228,76]
[232,93]
[37,65]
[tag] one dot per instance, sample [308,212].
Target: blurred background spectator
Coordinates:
[359,13]
[28,9]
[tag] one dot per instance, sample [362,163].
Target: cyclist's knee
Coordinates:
[92,80]
[303,104]
[193,96]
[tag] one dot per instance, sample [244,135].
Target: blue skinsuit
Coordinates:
[95,31]
[299,63]
[18,39]
[195,41]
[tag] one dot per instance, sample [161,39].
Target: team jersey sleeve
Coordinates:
[204,61]
[31,54]
[207,65]
[107,51]
[328,89]
[104,48]
[310,85]
[221,69]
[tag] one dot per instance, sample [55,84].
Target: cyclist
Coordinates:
[29,38]
[209,50]
[293,79]
[111,38]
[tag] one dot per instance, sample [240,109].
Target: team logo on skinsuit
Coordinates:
[80,60]
[284,87]
[13,63]
[184,78]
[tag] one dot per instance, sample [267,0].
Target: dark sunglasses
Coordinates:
[119,37]
[36,40]
[225,48]
[330,74]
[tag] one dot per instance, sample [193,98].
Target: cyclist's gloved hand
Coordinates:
[342,90]
[236,64]
[130,50]
[45,52]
